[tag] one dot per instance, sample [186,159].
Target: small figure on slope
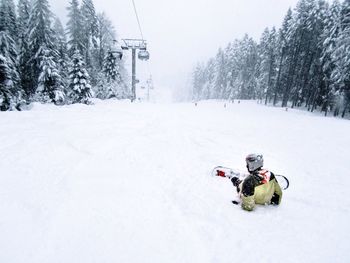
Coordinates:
[259,187]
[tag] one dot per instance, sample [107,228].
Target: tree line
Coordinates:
[43,61]
[304,63]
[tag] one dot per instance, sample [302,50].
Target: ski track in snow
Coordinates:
[122,182]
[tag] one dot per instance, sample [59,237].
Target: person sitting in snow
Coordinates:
[259,187]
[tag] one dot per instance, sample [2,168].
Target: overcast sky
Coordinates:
[182,32]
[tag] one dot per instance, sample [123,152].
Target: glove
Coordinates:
[235,181]
[275,200]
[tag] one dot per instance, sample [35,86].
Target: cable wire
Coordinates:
[137,17]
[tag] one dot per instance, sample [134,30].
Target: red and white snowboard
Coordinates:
[222,171]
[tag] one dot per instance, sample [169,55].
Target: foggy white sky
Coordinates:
[182,32]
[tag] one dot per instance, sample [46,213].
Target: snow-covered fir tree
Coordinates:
[208,89]
[90,38]
[248,62]
[35,54]
[74,28]
[79,84]
[8,18]
[102,57]
[198,80]
[283,51]
[341,55]
[112,86]
[90,28]
[6,97]
[41,44]
[267,72]
[305,63]
[315,88]
[220,75]
[50,85]
[233,54]
[60,42]
[24,50]
[330,36]
[106,37]
[10,92]
[23,17]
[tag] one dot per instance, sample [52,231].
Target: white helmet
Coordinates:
[254,162]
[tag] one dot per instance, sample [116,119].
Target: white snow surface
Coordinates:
[122,182]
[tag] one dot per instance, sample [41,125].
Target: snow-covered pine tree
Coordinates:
[8,18]
[10,93]
[233,54]
[283,51]
[300,50]
[294,39]
[111,68]
[50,86]
[106,37]
[272,66]
[306,63]
[79,85]
[10,88]
[91,29]
[23,17]
[197,82]
[304,68]
[90,37]
[74,28]
[231,74]
[330,36]
[267,65]
[313,92]
[6,97]
[248,63]
[24,51]
[240,64]
[220,82]
[341,55]
[41,37]
[60,42]
[113,83]
[208,91]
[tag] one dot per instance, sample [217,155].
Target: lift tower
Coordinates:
[143,54]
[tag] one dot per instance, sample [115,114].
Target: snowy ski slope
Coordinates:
[122,182]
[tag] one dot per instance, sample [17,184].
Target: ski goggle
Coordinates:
[253,158]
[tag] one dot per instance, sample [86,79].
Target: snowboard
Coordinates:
[227,172]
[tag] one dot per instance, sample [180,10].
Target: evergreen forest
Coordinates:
[42,60]
[303,64]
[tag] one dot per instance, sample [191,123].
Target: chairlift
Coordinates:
[117,49]
[143,55]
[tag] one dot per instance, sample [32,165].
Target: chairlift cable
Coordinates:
[137,17]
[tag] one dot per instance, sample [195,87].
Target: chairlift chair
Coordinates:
[117,50]
[143,55]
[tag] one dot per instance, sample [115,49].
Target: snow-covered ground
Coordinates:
[122,182]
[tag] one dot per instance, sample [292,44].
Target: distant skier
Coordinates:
[259,187]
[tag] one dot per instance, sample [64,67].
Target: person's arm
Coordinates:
[248,190]
[277,195]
